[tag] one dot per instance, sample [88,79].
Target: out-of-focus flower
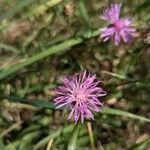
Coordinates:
[119,28]
[80,93]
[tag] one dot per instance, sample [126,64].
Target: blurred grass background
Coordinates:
[43,40]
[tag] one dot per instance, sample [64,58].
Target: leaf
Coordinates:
[12,146]
[41,8]
[49,51]
[139,146]
[16,8]
[112,111]
[73,139]
[53,135]
[37,103]
[84,12]
[29,129]
[142,6]
[50,105]
[2,146]
[46,139]
[8,47]
[26,141]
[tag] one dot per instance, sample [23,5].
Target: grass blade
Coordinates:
[8,47]
[112,111]
[37,103]
[17,7]
[73,140]
[2,146]
[53,136]
[84,12]
[25,142]
[52,50]
[141,145]
[50,105]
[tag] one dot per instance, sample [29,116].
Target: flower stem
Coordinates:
[89,126]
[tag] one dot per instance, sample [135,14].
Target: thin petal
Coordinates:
[117,38]
[112,13]
[70,115]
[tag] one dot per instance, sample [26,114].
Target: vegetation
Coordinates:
[43,40]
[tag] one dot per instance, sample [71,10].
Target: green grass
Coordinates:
[44,40]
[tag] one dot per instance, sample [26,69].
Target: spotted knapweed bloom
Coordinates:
[81,94]
[119,28]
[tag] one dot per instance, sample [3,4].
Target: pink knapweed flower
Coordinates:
[80,93]
[119,28]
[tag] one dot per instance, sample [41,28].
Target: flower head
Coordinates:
[119,28]
[80,93]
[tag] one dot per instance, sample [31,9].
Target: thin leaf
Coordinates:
[142,6]
[8,47]
[112,111]
[50,105]
[84,12]
[25,142]
[41,8]
[37,103]
[2,146]
[29,129]
[12,146]
[53,135]
[52,50]
[73,139]
[16,8]
[139,146]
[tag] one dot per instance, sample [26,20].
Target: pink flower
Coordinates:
[80,93]
[119,29]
